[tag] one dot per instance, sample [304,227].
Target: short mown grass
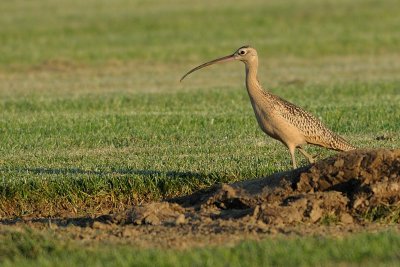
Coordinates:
[165,144]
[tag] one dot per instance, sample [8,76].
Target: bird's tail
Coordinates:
[341,144]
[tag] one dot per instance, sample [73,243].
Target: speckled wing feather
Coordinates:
[314,131]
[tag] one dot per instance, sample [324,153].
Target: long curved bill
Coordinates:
[218,60]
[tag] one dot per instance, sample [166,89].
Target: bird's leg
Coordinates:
[292,150]
[308,156]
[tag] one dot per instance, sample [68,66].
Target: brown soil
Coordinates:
[335,196]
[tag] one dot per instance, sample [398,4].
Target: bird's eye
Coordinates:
[242,52]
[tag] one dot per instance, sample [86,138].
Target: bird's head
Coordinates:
[245,54]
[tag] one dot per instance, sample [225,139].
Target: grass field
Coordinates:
[45,250]
[92,111]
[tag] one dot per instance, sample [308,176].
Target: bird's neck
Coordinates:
[252,83]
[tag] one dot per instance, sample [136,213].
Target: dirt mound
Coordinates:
[347,188]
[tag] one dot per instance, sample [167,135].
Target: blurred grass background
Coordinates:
[98,31]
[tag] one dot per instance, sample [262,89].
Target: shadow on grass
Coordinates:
[114,171]
[85,221]
[253,186]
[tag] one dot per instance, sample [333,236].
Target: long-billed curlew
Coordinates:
[279,118]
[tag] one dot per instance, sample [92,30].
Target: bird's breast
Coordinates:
[265,118]
[275,125]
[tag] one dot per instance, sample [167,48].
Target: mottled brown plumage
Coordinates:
[279,118]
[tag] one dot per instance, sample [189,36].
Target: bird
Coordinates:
[278,118]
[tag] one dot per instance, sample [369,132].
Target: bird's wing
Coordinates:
[314,131]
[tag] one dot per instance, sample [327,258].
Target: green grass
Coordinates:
[91,112]
[91,107]
[24,248]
